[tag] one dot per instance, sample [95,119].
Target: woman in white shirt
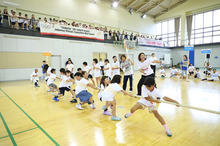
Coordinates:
[115,66]
[153,65]
[96,69]
[145,69]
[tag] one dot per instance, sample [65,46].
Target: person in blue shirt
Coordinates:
[184,65]
[44,62]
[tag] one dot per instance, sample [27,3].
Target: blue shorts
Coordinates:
[84,96]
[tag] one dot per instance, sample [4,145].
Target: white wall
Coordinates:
[78,51]
[83,10]
[177,55]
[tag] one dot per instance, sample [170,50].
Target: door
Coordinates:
[56,63]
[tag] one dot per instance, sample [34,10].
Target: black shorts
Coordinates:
[13,23]
[72,75]
[20,24]
[191,73]
[63,89]
[90,76]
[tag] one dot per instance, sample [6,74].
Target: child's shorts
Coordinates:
[63,89]
[144,103]
[84,96]
[52,85]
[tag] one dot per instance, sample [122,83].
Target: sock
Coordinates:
[165,126]
[128,114]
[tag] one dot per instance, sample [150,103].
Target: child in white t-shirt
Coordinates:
[162,72]
[197,74]
[104,83]
[65,85]
[174,72]
[88,69]
[34,77]
[151,96]
[107,69]
[82,92]
[97,73]
[191,70]
[214,76]
[115,66]
[109,93]
[51,79]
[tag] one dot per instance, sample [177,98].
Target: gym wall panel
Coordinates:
[9,44]
[23,45]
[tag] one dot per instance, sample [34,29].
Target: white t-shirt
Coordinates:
[214,75]
[145,66]
[81,85]
[96,71]
[116,71]
[13,19]
[100,92]
[127,67]
[64,82]
[87,68]
[32,78]
[162,71]
[154,94]
[198,74]
[48,72]
[101,63]
[70,67]
[109,93]
[191,68]
[108,72]
[174,71]
[20,20]
[153,58]
[51,79]
[26,20]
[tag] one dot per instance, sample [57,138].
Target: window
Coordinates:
[166,30]
[206,27]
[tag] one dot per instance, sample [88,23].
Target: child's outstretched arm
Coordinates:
[171,100]
[92,86]
[149,98]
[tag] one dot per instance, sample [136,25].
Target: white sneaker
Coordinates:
[138,96]
[130,91]
[52,93]
[92,106]
[79,106]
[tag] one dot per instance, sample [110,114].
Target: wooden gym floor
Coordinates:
[29,116]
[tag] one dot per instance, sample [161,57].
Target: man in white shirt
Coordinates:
[101,63]
[153,65]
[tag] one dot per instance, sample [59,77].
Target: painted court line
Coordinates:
[32,120]
[9,132]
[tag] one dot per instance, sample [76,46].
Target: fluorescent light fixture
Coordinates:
[11,4]
[94,1]
[143,16]
[130,10]
[114,4]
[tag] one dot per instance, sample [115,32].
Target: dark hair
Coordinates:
[113,56]
[78,69]
[85,63]
[78,74]
[186,57]
[102,80]
[96,60]
[83,72]
[68,71]
[197,68]
[152,54]
[63,70]
[173,66]
[149,81]
[123,56]
[139,56]
[106,60]
[46,66]
[214,68]
[53,70]
[44,61]
[116,79]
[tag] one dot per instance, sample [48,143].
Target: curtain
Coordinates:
[189,27]
[177,28]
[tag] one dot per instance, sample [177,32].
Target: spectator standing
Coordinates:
[5,18]
[153,65]
[26,21]
[38,24]
[131,36]
[13,20]
[122,35]
[126,36]
[101,63]
[110,34]
[33,22]
[0,17]
[69,59]
[118,35]
[105,33]
[20,21]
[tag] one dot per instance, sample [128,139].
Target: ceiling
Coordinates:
[152,8]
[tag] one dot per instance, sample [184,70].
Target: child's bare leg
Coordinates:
[159,117]
[133,109]
[73,93]
[113,103]
[93,81]
[91,99]
[96,81]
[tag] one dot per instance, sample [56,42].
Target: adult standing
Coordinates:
[184,65]
[5,18]
[69,59]
[145,69]
[153,65]
[101,63]
[70,67]
[126,65]
[115,66]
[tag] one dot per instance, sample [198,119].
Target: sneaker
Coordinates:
[169,133]
[130,91]
[49,90]
[79,106]
[127,115]
[73,101]
[92,106]
[116,118]
[107,113]
[138,96]
[104,107]
[37,86]
[56,99]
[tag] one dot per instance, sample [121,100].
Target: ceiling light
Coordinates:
[143,16]
[12,4]
[114,4]
[130,10]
